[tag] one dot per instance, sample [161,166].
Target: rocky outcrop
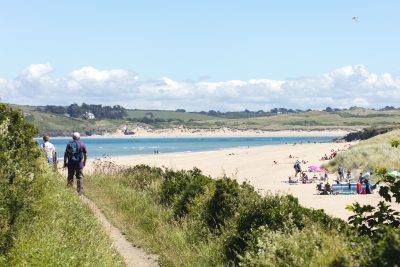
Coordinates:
[368,133]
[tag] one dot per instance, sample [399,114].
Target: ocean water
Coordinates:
[138,146]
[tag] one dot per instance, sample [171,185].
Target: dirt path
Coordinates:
[133,256]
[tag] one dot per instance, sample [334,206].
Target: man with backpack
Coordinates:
[75,157]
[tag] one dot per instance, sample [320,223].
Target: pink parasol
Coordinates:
[316,168]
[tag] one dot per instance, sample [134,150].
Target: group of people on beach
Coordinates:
[75,157]
[324,187]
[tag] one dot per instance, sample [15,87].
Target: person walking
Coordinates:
[50,151]
[297,168]
[75,157]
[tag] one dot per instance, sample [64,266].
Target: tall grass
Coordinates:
[192,220]
[369,154]
[60,231]
[41,222]
[134,208]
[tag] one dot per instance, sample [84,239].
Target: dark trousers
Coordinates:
[78,172]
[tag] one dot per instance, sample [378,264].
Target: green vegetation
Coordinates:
[369,132]
[193,220]
[59,125]
[369,155]
[42,223]
[86,111]
[354,118]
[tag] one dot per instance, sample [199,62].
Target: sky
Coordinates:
[201,55]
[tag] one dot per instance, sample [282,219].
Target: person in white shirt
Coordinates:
[50,150]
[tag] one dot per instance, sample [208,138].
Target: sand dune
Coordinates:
[146,132]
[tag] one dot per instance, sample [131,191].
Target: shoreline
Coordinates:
[222,132]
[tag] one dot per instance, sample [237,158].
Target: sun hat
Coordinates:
[76,136]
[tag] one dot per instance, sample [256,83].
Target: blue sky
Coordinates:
[196,41]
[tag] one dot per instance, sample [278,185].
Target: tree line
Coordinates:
[76,111]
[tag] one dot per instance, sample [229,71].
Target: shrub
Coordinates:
[140,177]
[20,167]
[174,183]
[311,246]
[276,213]
[223,204]
[196,187]
[386,250]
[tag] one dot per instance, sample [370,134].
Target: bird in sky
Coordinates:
[355,18]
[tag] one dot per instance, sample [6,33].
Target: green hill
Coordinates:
[354,118]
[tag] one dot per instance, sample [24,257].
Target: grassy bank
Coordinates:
[42,223]
[192,220]
[59,231]
[369,154]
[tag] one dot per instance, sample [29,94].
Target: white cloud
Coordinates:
[342,87]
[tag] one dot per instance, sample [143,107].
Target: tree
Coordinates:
[212,113]
[74,110]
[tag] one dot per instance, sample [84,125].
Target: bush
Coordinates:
[223,204]
[275,213]
[20,172]
[196,187]
[174,183]
[311,246]
[140,177]
[386,251]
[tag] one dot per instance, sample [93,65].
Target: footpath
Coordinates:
[133,256]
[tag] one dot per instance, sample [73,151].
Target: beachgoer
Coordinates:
[50,150]
[341,172]
[368,187]
[275,162]
[315,177]
[348,177]
[327,189]
[360,178]
[358,190]
[297,168]
[75,157]
[326,176]
[304,177]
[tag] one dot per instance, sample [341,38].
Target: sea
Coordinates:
[102,147]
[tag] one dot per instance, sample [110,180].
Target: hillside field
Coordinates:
[350,119]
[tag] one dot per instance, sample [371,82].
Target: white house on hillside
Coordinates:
[88,116]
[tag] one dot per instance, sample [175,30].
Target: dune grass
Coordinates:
[369,154]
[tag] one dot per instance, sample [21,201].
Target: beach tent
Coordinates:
[394,173]
[316,169]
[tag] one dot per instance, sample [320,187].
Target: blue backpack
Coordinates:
[75,153]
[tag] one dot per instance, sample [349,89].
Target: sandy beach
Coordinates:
[256,165]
